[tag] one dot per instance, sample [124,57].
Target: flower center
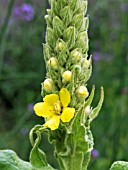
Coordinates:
[57,107]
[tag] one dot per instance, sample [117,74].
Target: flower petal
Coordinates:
[65,97]
[51,99]
[53,122]
[43,109]
[67,114]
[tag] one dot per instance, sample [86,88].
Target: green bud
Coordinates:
[85,63]
[77,69]
[59,46]
[76,55]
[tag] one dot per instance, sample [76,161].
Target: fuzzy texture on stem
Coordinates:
[69,67]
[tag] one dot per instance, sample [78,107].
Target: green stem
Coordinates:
[4,31]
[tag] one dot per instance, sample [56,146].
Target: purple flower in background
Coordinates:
[24,12]
[95,153]
[96,56]
[123,7]
[24,131]
[30,107]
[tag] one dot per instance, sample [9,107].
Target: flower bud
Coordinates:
[82,92]
[67,76]
[76,55]
[87,110]
[85,63]
[77,69]
[48,85]
[59,46]
[53,63]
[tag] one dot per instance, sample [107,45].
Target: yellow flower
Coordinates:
[55,108]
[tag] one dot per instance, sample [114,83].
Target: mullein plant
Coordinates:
[66,104]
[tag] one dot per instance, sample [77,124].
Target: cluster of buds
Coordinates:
[68,69]
[66,53]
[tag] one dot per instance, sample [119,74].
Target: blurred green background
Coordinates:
[22,69]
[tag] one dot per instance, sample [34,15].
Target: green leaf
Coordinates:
[88,72]
[37,157]
[62,58]
[82,41]
[47,52]
[78,21]
[48,21]
[74,5]
[84,6]
[58,26]
[72,147]
[96,110]
[119,165]
[55,7]
[50,38]
[69,36]
[89,100]
[66,15]
[10,161]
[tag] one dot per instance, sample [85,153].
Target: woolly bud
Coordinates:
[48,85]
[59,46]
[82,92]
[53,63]
[77,69]
[87,110]
[85,63]
[76,55]
[67,76]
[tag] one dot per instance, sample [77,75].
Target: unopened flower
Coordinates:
[48,85]
[82,92]
[87,110]
[85,63]
[59,46]
[76,55]
[67,76]
[55,108]
[53,63]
